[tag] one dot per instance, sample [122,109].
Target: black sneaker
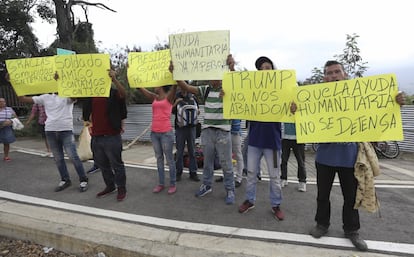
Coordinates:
[244,173]
[357,241]
[194,177]
[93,170]
[178,177]
[62,185]
[237,183]
[318,231]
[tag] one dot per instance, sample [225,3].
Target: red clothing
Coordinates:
[100,120]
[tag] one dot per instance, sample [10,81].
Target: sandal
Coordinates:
[7,159]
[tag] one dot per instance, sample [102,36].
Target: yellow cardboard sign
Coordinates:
[32,76]
[259,95]
[149,69]
[200,55]
[357,110]
[83,75]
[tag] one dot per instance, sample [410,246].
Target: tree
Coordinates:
[16,41]
[317,77]
[409,99]
[119,59]
[16,37]
[71,35]
[350,58]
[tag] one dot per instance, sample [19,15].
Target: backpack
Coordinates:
[187,111]
[198,153]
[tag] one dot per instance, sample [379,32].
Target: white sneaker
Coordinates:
[302,187]
[48,154]
[83,186]
[283,183]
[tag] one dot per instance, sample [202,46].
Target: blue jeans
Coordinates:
[107,155]
[272,158]
[216,140]
[244,153]
[163,145]
[238,155]
[185,135]
[244,150]
[59,140]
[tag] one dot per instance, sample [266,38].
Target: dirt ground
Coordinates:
[19,248]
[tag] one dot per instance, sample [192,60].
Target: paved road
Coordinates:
[32,178]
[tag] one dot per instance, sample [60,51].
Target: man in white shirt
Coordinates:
[59,135]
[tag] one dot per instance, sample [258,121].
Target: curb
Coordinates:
[116,234]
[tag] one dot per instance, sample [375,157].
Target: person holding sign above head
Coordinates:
[186,119]
[162,135]
[332,158]
[264,141]
[59,135]
[215,135]
[107,115]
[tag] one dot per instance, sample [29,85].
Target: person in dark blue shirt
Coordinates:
[332,158]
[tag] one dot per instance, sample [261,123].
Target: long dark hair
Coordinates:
[166,88]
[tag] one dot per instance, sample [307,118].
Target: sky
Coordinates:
[295,34]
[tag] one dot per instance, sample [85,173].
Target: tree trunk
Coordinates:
[64,23]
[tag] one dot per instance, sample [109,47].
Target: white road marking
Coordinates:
[208,228]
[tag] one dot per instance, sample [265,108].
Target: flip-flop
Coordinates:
[7,159]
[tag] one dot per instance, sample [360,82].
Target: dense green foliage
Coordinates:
[16,36]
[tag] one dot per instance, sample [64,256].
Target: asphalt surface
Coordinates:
[390,231]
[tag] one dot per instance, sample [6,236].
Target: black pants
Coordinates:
[299,152]
[325,176]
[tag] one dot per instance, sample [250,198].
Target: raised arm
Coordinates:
[119,86]
[189,88]
[26,99]
[182,84]
[148,94]
[230,62]
[171,94]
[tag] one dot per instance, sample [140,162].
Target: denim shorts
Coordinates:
[7,135]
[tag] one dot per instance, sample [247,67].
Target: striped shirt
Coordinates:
[236,127]
[213,109]
[6,114]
